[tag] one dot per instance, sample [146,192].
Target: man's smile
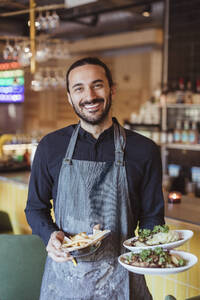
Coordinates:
[92,106]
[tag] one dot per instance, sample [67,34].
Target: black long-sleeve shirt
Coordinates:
[143,168]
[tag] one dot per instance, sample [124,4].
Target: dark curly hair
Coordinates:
[89,61]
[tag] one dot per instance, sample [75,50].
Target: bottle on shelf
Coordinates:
[189,93]
[178,132]
[164,94]
[171,93]
[163,137]
[196,96]
[185,132]
[180,93]
[193,135]
[156,135]
[170,136]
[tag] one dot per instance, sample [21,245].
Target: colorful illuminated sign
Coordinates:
[11,73]
[11,83]
[9,65]
[11,98]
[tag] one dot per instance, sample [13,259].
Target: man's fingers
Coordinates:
[96,227]
[54,247]
[58,258]
[57,252]
[56,239]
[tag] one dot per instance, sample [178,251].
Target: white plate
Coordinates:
[185,235]
[190,258]
[101,235]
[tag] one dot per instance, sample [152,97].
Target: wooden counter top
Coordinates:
[16,177]
[187,211]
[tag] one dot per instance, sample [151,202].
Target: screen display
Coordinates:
[11,84]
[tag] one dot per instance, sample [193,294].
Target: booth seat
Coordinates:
[22,260]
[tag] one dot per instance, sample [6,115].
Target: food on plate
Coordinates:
[80,239]
[154,258]
[159,235]
[83,240]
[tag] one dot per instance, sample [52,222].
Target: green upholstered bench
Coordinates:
[22,260]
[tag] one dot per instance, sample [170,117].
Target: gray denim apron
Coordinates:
[92,193]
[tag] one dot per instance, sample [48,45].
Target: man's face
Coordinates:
[90,94]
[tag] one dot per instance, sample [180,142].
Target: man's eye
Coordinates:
[78,89]
[98,85]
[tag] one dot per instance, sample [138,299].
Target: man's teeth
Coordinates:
[91,105]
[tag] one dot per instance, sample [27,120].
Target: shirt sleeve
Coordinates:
[38,208]
[151,195]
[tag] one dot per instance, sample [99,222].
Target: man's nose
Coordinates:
[90,93]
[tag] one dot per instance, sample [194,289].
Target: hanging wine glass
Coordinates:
[49,20]
[16,51]
[47,49]
[43,22]
[61,78]
[46,79]
[25,55]
[55,20]
[65,50]
[39,21]
[7,51]
[41,52]
[57,51]
[36,83]
[53,79]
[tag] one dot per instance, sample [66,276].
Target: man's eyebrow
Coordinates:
[97,80]
[76,84]
[80,84]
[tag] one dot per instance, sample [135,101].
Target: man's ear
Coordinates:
[69,98]
[113,90]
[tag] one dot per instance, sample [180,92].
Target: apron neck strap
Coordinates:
[119,140]
[72,144]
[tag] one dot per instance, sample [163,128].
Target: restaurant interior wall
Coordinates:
[183,64]
[184,41]
[136,73]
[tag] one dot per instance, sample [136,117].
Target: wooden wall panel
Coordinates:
[135,75]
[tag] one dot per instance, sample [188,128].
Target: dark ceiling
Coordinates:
[99,18]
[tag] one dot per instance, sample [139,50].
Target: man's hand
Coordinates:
[96,228]
[54,247]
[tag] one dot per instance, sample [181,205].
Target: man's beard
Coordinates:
[96,119]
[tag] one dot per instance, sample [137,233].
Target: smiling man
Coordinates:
[96,172]
[91,99]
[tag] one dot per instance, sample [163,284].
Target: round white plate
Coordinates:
[185,235]
[190,258]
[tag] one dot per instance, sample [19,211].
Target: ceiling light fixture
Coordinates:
[147,11]
[74,3]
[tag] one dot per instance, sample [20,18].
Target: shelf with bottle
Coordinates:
[184,92]
[183,146]
[17,151]
[184,179]
[151,131]
[178,105]
[185,136]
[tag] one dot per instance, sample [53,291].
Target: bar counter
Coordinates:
[186,211]
[16,177]
[13,196]
[185,215]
